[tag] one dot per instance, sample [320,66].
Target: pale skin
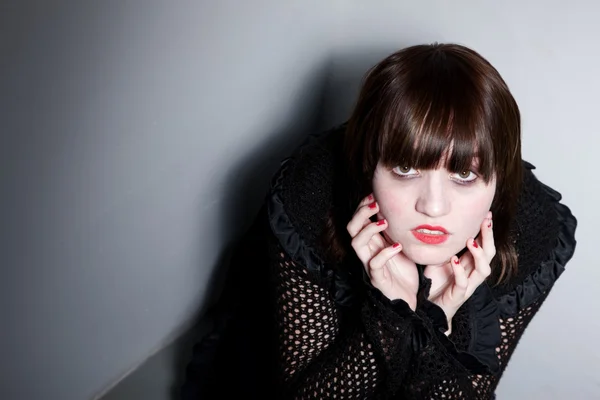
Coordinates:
[404,198]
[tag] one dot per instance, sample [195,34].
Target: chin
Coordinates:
[427,256]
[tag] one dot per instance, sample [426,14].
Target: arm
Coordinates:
[318,359]
[459,383]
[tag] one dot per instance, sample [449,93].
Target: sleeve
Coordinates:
[319,356]
[490,326]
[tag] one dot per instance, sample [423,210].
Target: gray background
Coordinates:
[138,138]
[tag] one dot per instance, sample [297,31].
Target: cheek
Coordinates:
[392,205]
[475,209]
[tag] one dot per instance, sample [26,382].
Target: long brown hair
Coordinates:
[412,106]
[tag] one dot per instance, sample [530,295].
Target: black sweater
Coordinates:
[290,324]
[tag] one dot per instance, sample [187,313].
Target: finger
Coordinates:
[377,263]
[461,280]
[367,200]
[362,218]
[367,233]
[482,267]
[467,262]
[487,239]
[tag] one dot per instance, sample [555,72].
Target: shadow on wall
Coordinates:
[326,100]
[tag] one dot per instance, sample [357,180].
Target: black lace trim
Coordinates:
[542,279]
[288,236]
[481,356]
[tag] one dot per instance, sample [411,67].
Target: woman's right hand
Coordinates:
[390,270]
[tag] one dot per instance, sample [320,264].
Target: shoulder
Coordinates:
[544,230]
[305,182]
[301,195]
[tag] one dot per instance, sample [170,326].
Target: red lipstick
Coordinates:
[431,238]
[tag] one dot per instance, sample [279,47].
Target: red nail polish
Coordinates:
[490,224]
[371,197]
[475,244]
[456,261]
[381,222]
[396,245]
[373,205]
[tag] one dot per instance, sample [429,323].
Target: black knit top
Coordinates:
[291,325]
[338,340]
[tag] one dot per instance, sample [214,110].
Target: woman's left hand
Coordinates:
[467,274]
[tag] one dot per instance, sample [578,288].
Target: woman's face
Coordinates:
[453,205]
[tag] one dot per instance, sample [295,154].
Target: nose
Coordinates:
[433,198]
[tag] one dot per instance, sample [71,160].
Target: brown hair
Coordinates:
[412,106]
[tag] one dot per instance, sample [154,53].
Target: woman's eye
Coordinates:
[466,176]
[405,171]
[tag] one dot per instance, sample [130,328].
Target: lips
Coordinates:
[430,234]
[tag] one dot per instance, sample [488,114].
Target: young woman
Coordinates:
[399,255]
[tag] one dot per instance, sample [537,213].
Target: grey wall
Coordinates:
[138,138]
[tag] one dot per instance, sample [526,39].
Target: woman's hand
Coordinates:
[468,273]
[390,271]
[443,275]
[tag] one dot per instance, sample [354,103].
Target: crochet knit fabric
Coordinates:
[377,348]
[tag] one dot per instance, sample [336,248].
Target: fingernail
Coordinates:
[475,244]
[381,222]
[396,245]
[373,205]
[456,261]
[371,197]
[490,224]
